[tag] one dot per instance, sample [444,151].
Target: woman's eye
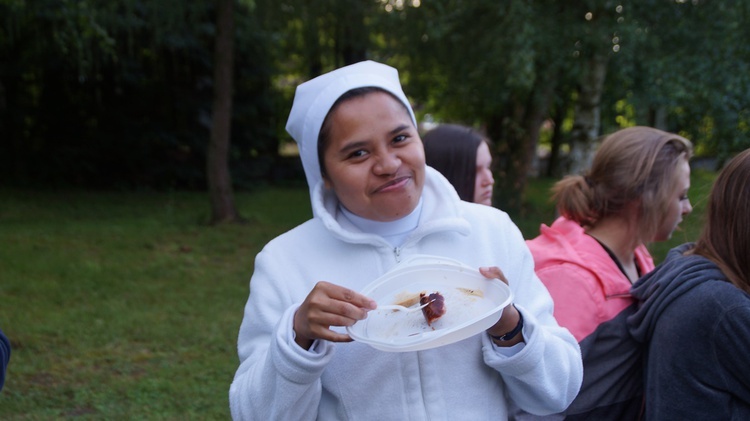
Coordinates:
[399,138]
[684,197]
[357,154]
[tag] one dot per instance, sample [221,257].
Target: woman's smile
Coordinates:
[396,184]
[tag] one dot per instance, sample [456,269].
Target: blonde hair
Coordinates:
[632,165]
[725,239]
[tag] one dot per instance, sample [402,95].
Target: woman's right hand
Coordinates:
[329,305]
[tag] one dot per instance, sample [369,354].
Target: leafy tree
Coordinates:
[691,67]
[118,94]
[489,64]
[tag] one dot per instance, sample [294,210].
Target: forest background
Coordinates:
[194,95]
[118,116]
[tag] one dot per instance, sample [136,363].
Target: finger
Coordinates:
[493,272]
[336,313]
[319,323]
[322,309]
[327,300]
[332,336]
[349,296]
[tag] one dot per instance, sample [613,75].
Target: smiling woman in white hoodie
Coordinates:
[375,203]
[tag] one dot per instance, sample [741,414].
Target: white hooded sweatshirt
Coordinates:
[472,379]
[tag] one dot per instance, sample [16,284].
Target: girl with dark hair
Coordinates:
[463,156]
[694,313]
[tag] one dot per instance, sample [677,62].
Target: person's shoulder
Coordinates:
[309,229]
[723,293]
[690,269]
[714,307]
[483,212]
[564,235]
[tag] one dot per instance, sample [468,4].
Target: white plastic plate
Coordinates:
[473,304]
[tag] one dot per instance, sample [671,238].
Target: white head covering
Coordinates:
[314,98]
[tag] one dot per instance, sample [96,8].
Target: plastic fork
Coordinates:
[402,308]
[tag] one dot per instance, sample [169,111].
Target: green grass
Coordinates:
[126,306]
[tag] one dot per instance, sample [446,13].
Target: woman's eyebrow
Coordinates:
[399,129]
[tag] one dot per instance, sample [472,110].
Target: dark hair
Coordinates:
[725,239]
[633,164]
[325,128]
[452,150]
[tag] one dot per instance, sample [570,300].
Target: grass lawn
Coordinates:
[125,306]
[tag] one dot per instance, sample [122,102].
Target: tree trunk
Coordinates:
[351,34]
[311,39]
[505,130]
[516,135]
[587,116]
[537,112]
[657,117]
[219,180]
[556,142]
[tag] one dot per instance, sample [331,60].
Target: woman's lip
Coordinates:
[393,184]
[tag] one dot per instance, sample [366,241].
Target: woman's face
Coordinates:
[375,159]
[484,181]
[679,205]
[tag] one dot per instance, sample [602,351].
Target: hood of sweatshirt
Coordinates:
[678,274]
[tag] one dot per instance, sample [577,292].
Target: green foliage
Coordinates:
[691,59]
[118,94]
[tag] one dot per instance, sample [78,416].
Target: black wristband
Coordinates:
[512,334]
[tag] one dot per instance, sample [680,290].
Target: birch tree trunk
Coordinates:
[587,115]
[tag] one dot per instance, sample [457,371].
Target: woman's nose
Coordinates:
[387,164]
[486,177]
[687,207]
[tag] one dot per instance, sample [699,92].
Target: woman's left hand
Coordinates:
[510,317]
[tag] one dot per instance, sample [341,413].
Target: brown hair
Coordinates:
[452,150]
[725,239]
[632,165]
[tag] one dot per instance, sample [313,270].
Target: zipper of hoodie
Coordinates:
[397,254]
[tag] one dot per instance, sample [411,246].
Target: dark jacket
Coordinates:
[696,326]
